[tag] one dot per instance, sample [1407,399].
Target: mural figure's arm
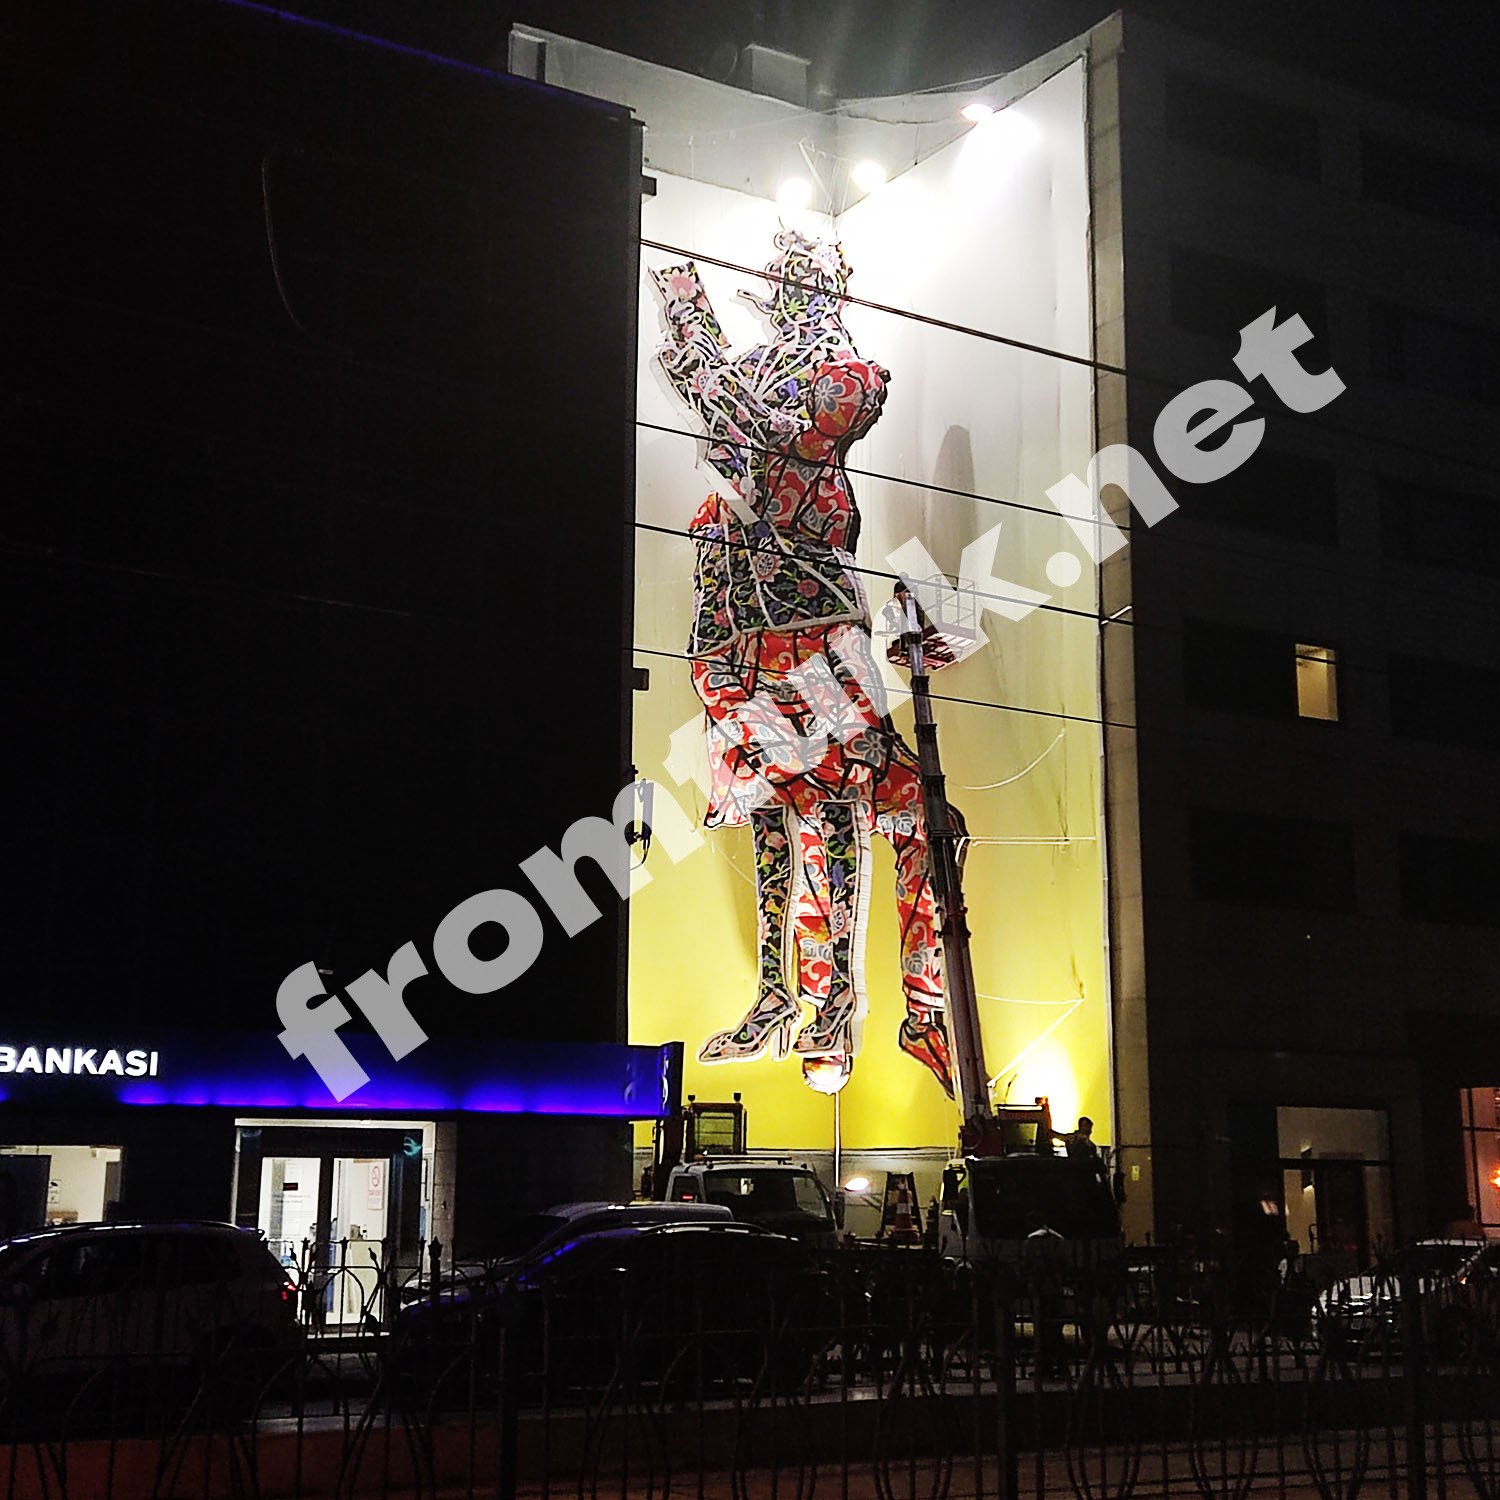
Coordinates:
[697,341]
[726,395]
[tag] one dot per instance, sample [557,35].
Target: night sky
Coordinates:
[1439,58]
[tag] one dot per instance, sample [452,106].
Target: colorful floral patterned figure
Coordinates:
[800,748]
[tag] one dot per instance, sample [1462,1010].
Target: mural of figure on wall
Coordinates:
[781,650]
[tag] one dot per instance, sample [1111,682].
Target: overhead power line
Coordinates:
[1309,420]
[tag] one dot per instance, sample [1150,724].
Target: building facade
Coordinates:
[1299,660]
[319,384]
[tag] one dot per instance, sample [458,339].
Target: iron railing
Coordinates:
[880,1373]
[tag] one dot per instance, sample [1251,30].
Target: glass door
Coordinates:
[360,1208]
[290,1190]
[341,1204]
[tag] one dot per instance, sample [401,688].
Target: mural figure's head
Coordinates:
[808,280]
[801,373]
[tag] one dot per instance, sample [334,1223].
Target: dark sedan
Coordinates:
[656,1311]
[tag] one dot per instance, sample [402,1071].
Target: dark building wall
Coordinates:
[1288,944]
[184,1171]
[509,1164]
[318,376]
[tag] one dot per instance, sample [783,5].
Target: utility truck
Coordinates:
[1019,1205]
[700,1157]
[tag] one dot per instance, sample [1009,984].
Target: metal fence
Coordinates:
[878,1373]
[345,1286]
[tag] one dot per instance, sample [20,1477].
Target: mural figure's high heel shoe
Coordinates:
[924,1037]
[767,1024]
[831,1027]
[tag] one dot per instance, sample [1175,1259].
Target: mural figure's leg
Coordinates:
[899,816]
[812,934]
[831,929]
[811,898]
[768,1023]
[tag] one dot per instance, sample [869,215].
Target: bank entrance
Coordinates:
[346,1204]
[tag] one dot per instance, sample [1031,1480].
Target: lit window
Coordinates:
[1481,1129]
[1317,682]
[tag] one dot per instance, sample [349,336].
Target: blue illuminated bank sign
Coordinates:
[249,1070]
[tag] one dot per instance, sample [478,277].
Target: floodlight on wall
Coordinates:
[976,111]
[857,1185]
[794,194]
[867,176]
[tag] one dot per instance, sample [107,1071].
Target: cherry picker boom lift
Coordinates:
[1008,1181]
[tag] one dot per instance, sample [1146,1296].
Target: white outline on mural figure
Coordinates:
[781,655]
[311,1018]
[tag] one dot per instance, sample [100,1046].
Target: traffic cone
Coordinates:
[900,1222]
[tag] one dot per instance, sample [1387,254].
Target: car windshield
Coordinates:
[752,1194]
[1429,1260]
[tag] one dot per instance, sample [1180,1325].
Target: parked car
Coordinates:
[525,1237]
[662,1307]
[1364,1315]
[121,1316]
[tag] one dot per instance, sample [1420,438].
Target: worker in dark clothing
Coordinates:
[1080,1143]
